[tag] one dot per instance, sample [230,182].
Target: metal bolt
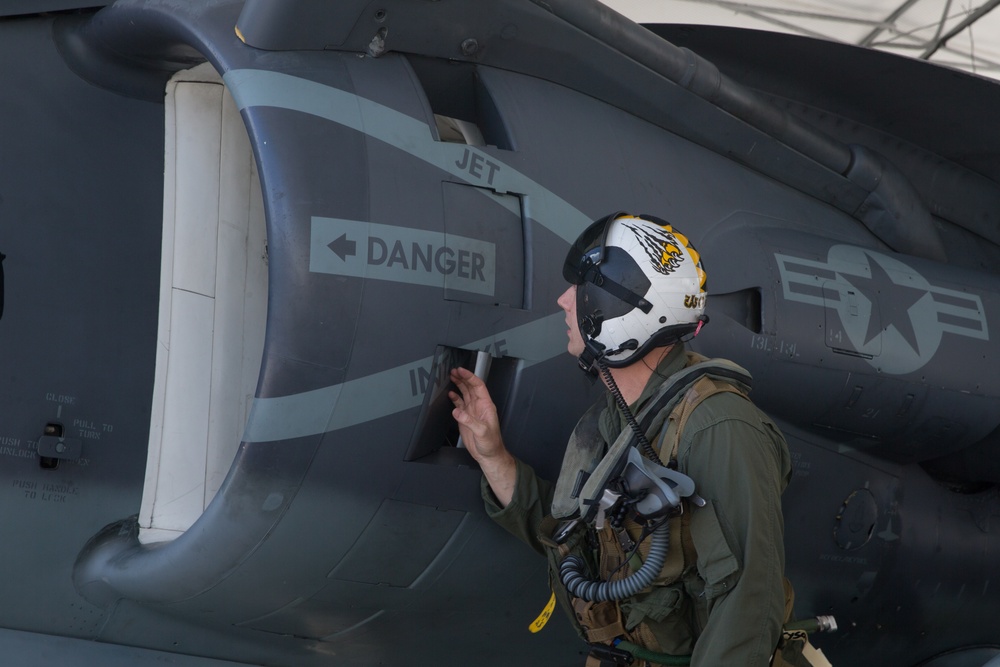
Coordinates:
[826,623]
[470,46]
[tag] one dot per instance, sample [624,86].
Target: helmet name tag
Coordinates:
[694,301]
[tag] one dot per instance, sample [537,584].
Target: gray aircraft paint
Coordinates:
[28,649]
[402,254]
[257,579]
[310,413]
[254,88]
[347,404]
[894,345]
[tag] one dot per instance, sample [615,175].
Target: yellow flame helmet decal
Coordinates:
[665,247]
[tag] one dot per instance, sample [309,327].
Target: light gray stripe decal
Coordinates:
[262,88]
[350,403]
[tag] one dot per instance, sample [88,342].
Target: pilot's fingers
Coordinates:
[484,432]
[457,399]
[466,418]
[469,412]
[469,384]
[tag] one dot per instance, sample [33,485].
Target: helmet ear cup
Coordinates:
[590,325]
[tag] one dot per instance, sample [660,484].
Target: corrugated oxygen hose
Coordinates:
[571,572]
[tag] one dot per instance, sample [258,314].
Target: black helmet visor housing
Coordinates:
[587,252]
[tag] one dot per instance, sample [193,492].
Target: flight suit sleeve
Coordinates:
[529,505]
[740,464]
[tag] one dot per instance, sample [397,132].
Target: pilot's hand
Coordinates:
[478,423]
[479,426]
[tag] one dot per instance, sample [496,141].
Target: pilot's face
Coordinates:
[568,303]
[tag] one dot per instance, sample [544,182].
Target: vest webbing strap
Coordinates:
[702,389]
[697,373]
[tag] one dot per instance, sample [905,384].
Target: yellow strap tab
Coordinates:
[544,617]
[815,656]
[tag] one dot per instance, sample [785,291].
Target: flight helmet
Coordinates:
[640,285]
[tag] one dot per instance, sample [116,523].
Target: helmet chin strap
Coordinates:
[592,351]
[594,354]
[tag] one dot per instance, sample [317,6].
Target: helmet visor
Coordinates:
[588,251]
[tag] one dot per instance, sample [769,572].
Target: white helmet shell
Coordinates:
[640,285]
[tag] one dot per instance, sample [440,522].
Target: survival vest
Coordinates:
[589,463]
[587,467]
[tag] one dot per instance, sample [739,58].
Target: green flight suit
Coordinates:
[730,605]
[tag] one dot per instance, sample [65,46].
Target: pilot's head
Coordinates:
[640,284]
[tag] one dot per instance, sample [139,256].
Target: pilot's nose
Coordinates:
[567,298]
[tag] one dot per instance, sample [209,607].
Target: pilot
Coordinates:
[646,567]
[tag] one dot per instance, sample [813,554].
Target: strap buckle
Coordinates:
[611,656]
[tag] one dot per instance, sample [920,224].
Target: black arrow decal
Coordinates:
[343,247]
